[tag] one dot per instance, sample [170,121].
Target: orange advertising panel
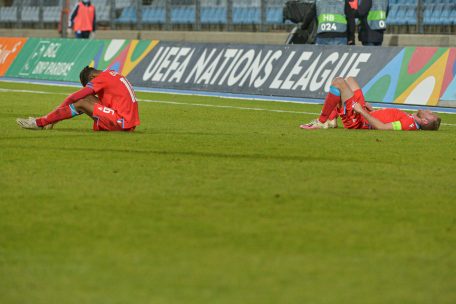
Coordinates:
[9,48]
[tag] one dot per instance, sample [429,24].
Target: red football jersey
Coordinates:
[351,119]
[400,119]
[115,92]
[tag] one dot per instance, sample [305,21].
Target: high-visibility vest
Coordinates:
[331,16]
[84,18]
[377,15]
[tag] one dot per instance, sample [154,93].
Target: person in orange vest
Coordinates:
[83,19]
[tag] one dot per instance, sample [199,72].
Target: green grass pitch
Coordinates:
[218,204]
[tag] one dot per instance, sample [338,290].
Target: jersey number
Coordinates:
[129,88]
[108,110]
[328,27]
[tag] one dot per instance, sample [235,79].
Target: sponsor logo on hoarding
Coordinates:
[42,61]
[9,49]
[5,52]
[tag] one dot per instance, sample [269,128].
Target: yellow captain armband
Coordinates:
[397,125]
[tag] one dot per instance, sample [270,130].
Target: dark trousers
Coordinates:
[82,34]
[372,43]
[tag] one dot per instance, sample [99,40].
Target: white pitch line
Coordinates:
[30,91]
[225,107]
[189,104]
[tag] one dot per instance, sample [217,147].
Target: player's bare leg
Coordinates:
[86,105]
[338,92]
[345,88]
[352,83]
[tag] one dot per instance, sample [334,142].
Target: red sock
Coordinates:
[57,115]
[333,114]
[331,102]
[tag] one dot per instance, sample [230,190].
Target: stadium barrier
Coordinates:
[417,76]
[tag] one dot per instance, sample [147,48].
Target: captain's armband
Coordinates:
[396,125]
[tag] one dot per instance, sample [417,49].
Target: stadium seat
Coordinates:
[435,18]
[392,15]
[146,14]
[188,15]
[246,15]
[446,13]
[123,3]
[220,13]
[400,16]
[274,15]
[128,15]
[453,15]
[428,9]
[30,13]
[183,15]
[157,15]
[8,14]
[242,15]
[237,15]
[103,14]
[253,15]
[51,14]
[176,15]
[410,15]
[213,15]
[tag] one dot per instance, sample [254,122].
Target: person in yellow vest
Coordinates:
[83,19]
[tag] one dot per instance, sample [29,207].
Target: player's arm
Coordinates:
[373,122]
[73,15]
[94,23]
[369,107]
[84,92]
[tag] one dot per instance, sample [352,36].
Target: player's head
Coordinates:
[428,120]
[86,75]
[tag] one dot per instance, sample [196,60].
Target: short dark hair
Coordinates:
[433,125]
[85,75]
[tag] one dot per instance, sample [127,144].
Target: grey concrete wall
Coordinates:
[231,37]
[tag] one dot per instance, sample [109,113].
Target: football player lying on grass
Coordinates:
[107,97]
[345,99]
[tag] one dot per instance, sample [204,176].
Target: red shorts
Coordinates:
[107,119]
[350,118]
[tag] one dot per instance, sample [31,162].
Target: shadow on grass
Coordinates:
[200,154]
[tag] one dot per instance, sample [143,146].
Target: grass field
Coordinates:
[218,204]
